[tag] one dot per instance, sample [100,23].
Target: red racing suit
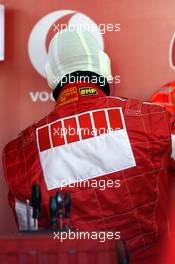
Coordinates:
[133,154]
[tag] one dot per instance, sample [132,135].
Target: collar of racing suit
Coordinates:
[78,92]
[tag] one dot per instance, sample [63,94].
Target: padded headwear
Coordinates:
[71,51]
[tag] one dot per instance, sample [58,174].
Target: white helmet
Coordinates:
[71,51]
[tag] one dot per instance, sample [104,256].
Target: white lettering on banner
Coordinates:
[78,157]
[42,96]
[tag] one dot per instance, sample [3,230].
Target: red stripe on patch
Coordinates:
[71,130]
[115,119]
[100,122]
[43,138]
[57,134]
[86,126]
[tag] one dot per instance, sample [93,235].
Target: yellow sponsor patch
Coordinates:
[87,91]
[68,95]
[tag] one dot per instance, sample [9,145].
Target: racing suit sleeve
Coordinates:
[14,174]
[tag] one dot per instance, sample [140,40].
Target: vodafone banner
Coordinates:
[137,35]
